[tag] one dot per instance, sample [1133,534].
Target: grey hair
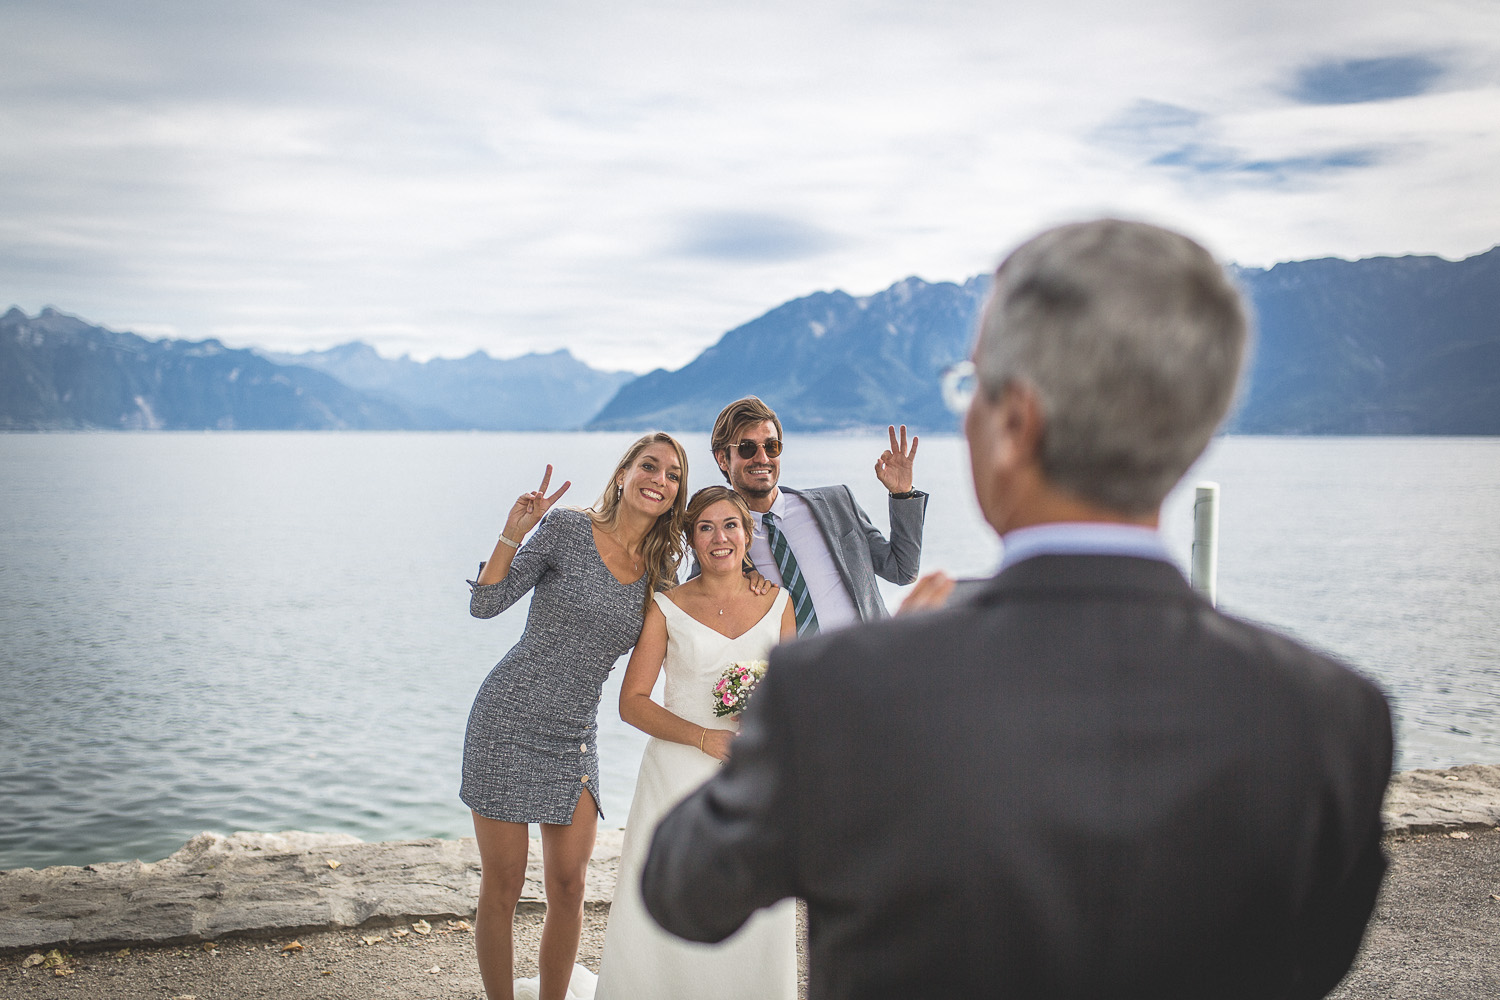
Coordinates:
[1132,338]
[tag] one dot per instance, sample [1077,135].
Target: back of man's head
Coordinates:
[1131,336]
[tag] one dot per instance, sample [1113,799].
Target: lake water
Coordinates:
[270,631]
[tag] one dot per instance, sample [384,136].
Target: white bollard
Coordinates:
[1205,575]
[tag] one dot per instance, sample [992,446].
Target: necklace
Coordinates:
[635,561]
[716,600]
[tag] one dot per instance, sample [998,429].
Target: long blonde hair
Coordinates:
[662,547]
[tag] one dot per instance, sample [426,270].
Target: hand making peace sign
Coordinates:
[530,507]
[894,466]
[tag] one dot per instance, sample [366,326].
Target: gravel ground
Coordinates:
[399,961]
[1436,930]
[1436,933]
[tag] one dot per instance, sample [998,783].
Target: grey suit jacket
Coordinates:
[1084,782]
[859,550]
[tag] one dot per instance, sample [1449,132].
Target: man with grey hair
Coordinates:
[1083,781]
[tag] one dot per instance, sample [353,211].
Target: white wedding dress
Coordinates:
[641,961]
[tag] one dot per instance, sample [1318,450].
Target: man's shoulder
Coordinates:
[989,607]
[1206,631]
[838,496]
[818,492]
[1286,662]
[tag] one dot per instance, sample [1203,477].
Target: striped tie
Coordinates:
[791,576]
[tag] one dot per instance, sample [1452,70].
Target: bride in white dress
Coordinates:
[693,632]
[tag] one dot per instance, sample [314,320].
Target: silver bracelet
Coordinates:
[507,541]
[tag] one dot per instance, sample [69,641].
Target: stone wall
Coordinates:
[282,884]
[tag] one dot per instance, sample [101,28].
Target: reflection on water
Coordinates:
[271,631]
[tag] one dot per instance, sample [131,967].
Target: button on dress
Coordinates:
[531,745]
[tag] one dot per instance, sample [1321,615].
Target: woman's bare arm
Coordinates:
[636,706]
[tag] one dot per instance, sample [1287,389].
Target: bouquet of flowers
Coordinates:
[735,685]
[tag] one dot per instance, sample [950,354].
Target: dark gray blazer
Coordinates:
[859,550]
[1083,782]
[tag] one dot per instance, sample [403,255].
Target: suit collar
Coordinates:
[822,517]
[1089,574]
[1082,538]
[814,501]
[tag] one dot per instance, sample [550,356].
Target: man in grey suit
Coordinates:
[1082,781]
[818,543]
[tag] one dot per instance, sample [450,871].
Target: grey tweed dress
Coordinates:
[531,744]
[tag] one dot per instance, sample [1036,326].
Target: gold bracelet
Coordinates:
[701,737]
[507,541]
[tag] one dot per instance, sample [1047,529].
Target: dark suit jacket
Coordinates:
[1083,782]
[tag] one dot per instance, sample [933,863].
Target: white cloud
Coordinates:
[457,176]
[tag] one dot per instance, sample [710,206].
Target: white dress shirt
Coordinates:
[1082,538]
[831,600]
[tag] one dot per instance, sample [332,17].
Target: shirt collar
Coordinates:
[1074,538]
[778,507]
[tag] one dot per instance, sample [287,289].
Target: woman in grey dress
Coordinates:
[530,751]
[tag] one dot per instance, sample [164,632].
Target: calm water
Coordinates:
[270,631]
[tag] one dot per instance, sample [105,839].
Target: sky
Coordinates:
[631,181]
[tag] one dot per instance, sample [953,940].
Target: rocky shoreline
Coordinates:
[279,885]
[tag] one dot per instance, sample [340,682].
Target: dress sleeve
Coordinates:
[536,556]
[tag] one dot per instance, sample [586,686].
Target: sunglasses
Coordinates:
[747,449]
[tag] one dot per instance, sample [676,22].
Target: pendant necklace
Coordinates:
[635,561]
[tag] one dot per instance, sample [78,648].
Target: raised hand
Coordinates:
[932,591]
[894,466]
[530,507]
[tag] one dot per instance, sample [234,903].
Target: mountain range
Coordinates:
[1384,345]
[824,362]
[58,372]
[534,392]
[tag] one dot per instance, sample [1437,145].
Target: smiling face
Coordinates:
[755,477]
[652,481]
[719,537]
